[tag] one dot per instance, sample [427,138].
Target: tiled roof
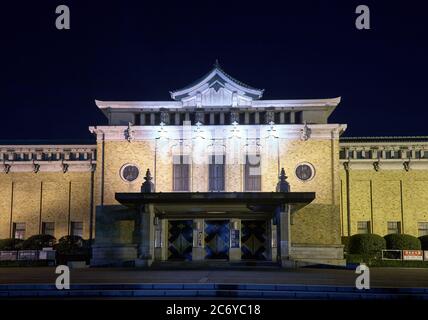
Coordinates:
[217,67]
[49,142]
[385,139]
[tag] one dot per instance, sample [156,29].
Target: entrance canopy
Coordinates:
[215,204]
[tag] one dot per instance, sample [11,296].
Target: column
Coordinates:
[235,240]
[159,239]
[198,249]
[143,233]
[284,237]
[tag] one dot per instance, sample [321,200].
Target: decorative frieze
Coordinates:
[47,158]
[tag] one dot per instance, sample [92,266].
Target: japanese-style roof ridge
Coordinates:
[218,69]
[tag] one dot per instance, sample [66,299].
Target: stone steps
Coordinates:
[211,290]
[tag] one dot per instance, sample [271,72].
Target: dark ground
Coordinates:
[379,277]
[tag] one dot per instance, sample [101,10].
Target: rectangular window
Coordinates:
[181,173]
[253,181]
[216,173]
[298,117]
[363,227]
[216,118]
[262,117]
[422,229]
[242,118]
[77,228]
[19,230]
[252,118]
[48,228]
[137,119]
[394,227]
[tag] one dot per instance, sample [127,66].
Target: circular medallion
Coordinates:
[305,171]
[129,172]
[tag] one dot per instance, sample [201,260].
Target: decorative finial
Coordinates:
[283,185]
[148,176]
[216,64]
[148,186]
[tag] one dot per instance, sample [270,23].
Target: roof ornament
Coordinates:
[36,167]
[7,168]
[217,64]
[376,165]
[406,165]
[305,132]
[148,186]
[129,133]
[283,185]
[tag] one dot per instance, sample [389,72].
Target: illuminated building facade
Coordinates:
[200,178]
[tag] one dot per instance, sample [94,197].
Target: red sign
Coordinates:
[413,255]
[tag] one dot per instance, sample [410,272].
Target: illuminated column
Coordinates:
[283,213]
[164,160]
[199,160]
[235,240]
[234,160]
[144,227]
[145,235]
[198,250]
[269,158]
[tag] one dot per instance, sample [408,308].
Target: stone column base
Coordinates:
[141,263]
[113,254]
[198,254]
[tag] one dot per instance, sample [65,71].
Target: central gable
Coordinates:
[217,89]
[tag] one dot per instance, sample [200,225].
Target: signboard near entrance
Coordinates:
[234,238]
[413,255]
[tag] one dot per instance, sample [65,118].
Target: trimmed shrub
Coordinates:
[38,242]
[71,245]
[424,242]
[11,244]
[402,242]
[345,242]
[366,244]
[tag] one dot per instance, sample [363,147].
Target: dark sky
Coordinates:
[137,50]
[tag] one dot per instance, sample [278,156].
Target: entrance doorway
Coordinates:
[217,238]
[180,239]
[253,240]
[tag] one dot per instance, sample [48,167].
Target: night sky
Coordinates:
[137,50]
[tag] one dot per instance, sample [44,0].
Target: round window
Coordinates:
[305,171]
[129,172]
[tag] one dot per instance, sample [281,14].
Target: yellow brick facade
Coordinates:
[34,198]
[385,195]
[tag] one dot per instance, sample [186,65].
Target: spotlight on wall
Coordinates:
[162,131]
[235,131]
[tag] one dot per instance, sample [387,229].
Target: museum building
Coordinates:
[217,173]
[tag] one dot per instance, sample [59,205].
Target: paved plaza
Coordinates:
[379,277]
